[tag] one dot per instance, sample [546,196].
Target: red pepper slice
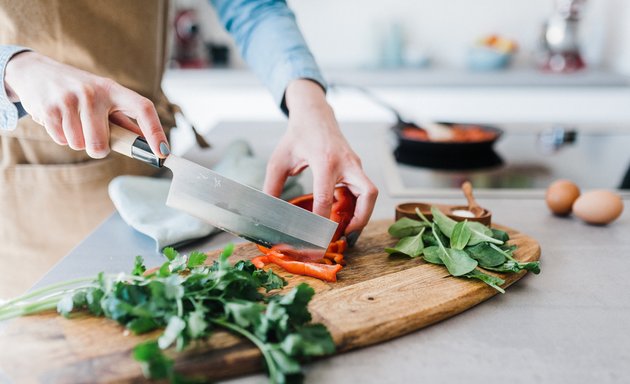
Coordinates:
[338,246]
[320,271]
[342,210]
[260,261]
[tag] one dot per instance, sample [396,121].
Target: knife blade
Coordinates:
[234,207]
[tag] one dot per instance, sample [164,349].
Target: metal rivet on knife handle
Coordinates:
[130,144]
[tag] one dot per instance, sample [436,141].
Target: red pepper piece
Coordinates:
[342,210]
[320,271]
[293,253]
[338,246]
[262,249]
[260,261]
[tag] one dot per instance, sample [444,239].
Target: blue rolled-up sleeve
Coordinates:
[9,112]
[270,42]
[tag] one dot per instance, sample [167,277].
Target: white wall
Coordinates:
[618,45]
[349,33]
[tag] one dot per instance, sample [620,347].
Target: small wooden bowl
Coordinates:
[409,210]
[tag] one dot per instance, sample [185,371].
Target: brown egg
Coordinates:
[598,207]
[560,196]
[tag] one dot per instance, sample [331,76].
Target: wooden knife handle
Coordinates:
[128,143]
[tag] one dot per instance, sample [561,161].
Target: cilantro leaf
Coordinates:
[268,279]
[153,362]
[138,266]
[141,325]
[196,259]
[309,340]
[296,302]
[170,253]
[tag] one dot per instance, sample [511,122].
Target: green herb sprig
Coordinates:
[464,248]
[190,300]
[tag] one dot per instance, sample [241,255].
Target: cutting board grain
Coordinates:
[377,298]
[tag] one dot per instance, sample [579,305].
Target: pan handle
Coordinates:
[375,99]
[130,144]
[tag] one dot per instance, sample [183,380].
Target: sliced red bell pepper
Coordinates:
[320,271]
[260,261]
[301,264]
[262,249]
[338,246]
[341,212]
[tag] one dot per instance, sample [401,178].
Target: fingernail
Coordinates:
[352,237]
[164,149]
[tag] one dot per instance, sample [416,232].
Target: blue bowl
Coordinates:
[487,59]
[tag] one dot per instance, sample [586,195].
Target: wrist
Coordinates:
[14,67]
[305,95]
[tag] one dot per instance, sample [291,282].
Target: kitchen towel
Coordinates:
[141,201]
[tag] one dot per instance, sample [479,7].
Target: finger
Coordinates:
[124,121]
[52,124]
[276,176]
[94,120]
[71,124]
[366,194]
[143,110]
[323,189]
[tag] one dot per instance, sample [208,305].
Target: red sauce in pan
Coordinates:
[462,133]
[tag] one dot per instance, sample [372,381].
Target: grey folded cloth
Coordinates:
[141,201]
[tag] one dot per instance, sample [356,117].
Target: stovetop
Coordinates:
[523,163]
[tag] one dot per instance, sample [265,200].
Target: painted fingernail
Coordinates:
[164,149]
[352,237]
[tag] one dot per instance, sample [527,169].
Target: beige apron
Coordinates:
[51,197]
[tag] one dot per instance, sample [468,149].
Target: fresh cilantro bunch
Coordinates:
[190,299]
[460,246]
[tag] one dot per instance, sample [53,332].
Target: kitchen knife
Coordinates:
[234,207]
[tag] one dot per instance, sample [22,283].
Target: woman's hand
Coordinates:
[313,139]
[75,106]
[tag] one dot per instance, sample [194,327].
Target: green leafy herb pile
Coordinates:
[461,247]
[190,299]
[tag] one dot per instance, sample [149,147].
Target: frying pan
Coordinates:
[438,154]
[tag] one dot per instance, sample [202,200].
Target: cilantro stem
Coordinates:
[180,308]
[39,306]
[273,371]
[50,288]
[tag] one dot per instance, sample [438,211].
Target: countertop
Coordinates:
[569,324]
[421,77]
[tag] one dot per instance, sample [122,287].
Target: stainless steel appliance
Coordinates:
[560,43]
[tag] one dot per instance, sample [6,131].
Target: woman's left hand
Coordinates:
[313,139]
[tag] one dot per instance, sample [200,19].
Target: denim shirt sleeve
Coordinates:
[9,112]
[270,42]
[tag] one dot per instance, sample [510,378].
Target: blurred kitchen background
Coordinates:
[555,73]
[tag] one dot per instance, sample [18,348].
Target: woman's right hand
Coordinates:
[76,106]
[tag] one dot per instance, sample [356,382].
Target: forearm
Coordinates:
[270,41]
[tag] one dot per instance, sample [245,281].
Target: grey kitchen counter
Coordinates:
[570,324]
